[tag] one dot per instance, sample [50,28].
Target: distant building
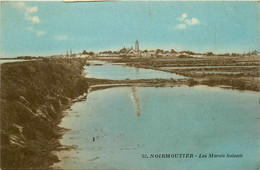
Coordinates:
[136,45]
[70,52]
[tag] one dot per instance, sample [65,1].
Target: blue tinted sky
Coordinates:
[44,28]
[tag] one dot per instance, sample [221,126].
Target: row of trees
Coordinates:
[88,53]
[160,51]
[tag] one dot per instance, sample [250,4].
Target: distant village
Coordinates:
[126,52]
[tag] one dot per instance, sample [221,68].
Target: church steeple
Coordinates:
[136,45]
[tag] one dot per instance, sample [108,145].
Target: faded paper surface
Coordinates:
[130,85]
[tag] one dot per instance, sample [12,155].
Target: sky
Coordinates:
[47,28]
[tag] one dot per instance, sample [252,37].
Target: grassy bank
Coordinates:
[33,96]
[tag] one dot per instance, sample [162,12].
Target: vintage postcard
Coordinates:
[170,85]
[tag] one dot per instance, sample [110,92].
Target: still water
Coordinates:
[12,61]
[121,72]
[115,126]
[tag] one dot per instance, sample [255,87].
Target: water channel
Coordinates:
[115,127]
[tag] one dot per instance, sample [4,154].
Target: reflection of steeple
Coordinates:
[136,100]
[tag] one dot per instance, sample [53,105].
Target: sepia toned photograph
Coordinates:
[163,85]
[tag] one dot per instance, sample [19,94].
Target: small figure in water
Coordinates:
[93,139]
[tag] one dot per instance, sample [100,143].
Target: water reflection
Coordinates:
[122,72]
[136,100]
